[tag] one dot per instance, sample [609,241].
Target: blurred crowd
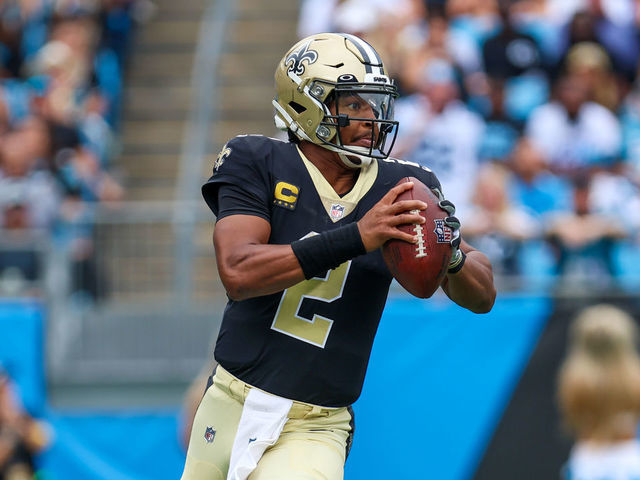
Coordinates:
[527,110]
[61,75]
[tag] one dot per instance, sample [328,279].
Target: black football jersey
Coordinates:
[312,341]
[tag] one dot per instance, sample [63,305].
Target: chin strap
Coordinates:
[345,159]
[344,156]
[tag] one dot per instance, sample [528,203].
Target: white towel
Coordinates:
[263,418]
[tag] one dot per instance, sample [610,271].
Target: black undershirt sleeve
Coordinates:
[234,200]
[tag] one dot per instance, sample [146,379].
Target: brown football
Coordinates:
[420,267]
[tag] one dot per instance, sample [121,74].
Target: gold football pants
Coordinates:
[312,445]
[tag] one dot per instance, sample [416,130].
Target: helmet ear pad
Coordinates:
[306,110]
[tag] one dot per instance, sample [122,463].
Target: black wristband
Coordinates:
[458,263]
[328,250]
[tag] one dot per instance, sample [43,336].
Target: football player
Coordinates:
[297,241]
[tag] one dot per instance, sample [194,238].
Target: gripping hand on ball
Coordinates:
[381,223]
[457,256]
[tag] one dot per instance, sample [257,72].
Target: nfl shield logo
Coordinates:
[209,434]
[337,211]
[443,233]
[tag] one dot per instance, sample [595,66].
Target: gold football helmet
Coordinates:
[318,71]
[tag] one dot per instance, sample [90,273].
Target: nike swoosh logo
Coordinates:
[252,440]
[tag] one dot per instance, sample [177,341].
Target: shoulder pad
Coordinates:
[406,162]
[403,168]
[244,149]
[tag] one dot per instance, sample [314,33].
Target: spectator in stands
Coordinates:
[34,133]
[472,20]
[590,61]
[21,261]
[79,171]
[618,12]
[515,59]
[23,30]
[76,66]
[534,186]
[509,52]
[502,130]
[441,132]
[533,17]
[573,132]
[29,200]
[85,184]
[613,194]
[599,395]
[440,41]
[60,92]
[583,240]
[65,73]
[600,23]
[496,223]
[20,177]
[16,98]
[21,436]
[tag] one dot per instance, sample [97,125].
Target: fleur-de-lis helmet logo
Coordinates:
[296,59]
[224,153]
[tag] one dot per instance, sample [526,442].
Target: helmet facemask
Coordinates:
[372,105]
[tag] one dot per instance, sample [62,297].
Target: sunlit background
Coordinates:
[111,115]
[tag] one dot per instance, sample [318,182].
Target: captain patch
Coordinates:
[286,195]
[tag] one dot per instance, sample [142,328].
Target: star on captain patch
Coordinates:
[337,211]
[209,434]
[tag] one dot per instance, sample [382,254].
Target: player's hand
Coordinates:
[453,223]
[380,224]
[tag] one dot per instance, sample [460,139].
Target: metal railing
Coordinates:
[133,294]
[198,130]
[116,314]
[113,311]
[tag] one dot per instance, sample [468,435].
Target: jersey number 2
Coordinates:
[314,331]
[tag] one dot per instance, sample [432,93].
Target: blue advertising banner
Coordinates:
[22,350]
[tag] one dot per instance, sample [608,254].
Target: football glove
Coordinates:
[457,256]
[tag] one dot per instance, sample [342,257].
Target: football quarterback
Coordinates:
[297,241]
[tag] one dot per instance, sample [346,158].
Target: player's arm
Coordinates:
[469,280]
[472,286]
[249,266]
